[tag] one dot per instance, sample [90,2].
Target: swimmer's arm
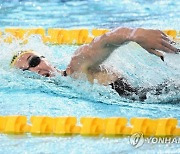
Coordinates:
[92,55]
[149,39]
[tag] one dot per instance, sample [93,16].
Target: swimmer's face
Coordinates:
[35,63]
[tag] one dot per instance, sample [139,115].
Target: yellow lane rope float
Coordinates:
[89,126]
[65,36]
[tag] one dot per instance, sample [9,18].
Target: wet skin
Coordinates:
[44,68]
[88,58]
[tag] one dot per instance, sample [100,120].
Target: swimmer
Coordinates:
[88,58]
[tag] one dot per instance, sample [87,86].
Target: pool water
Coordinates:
[25,93]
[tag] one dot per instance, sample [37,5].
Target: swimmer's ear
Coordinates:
[157,53]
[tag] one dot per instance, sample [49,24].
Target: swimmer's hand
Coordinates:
[153,41]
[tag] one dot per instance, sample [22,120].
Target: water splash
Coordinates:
[139,67]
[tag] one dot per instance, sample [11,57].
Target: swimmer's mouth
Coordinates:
[48,74]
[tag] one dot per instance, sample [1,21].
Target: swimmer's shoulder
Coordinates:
[79,60]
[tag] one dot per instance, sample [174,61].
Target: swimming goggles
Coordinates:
[34,61]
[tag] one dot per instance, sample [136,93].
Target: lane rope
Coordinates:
[89,126]
[64,36]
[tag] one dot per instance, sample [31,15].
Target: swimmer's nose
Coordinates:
[45,66]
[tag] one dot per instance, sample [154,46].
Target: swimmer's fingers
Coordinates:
[165,47]
[166,38]
[163,33]
[169,47]
[157,53]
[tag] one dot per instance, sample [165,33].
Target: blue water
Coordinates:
[24,93]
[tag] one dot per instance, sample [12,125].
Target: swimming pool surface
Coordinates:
[24,93]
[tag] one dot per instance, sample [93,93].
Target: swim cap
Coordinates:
[18,55]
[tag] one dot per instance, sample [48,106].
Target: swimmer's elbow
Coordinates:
[100,42]
[117,37]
